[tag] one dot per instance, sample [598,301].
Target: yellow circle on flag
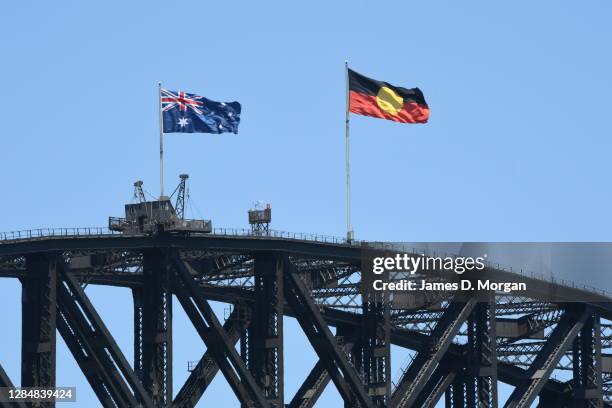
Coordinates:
[389,101]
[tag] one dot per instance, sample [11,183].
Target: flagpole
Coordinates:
[349,229]
[161,143]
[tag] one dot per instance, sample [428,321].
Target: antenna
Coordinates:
[180,197]
[138,192]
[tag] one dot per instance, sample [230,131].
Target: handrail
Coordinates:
[7,237]
[54,232]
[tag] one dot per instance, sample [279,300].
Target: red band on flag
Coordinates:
[368,105]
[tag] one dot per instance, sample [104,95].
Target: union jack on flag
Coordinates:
[183,112]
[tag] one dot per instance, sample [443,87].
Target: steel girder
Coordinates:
[587,365]
[549,400]
[265,333]
[39,315]
[6,382]
[153,328]
[207,368]
[558,342]
[318,378]
[455,394]
[342,373]
[138,304]
[216,339]
[312,387]
[373,346]
[354,355]
[475,385]
[94,349]
[422,367]
[438,383]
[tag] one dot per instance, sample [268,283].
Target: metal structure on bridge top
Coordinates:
[461,349]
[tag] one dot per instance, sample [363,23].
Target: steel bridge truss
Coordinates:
[460,347]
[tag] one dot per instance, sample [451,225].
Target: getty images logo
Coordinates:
[412,264]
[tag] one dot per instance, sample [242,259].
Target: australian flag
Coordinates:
[188,113]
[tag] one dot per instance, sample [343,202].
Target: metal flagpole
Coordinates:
[349,229]
[161,143]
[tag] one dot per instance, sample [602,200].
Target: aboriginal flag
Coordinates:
[379,99]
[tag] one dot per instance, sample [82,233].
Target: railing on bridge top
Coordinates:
[8,237]
[54,232]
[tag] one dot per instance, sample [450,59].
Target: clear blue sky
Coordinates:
[517,148]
